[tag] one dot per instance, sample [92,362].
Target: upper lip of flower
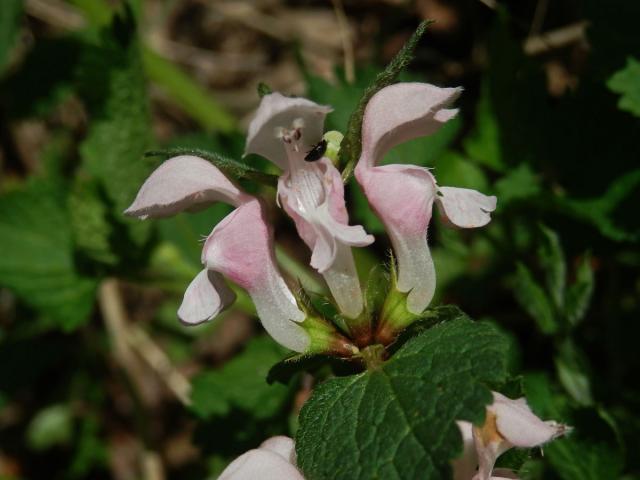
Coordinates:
[403,195]
[184,182]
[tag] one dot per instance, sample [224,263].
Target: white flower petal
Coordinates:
[520,426]
[277,112]
[183,183]
[206,296]
[260,464]
[402,112]
[241,248]
[465,208]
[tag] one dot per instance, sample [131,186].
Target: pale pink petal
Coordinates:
[520,426]
[260,464]
[241,248]
[464,207]
[465,466]
[402,112]
[283,446]
[206,296]
[277,111]
[183,183]
[402,196]
[314,198]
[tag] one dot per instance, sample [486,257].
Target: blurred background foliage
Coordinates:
[97,377]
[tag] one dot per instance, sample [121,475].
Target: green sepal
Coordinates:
[394,315]
[323,335]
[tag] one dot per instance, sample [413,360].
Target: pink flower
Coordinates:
[508,423]
[273,460]
[403,195]
[284,130]
[239,247]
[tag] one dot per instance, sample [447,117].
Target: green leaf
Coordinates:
[602,211]
[552,259]
[482,145]
[534,301]
[626,82]
[264,89]
[352,145]
[233,168]
[91,229]
[591,451]
[10,16]
[578,296]
[518,184]
[112,84]
[187,94]
[241,384]
[37,255]
[573,368]
[51,426]
[398,421]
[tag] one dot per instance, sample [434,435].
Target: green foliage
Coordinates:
[553,264]
[626,82]
[10,16]
[90,222]
[240,384]
[578,295]
[556,307]
[351,145]
[398,421]
[193,99]
[602,211]
[263,89]
[113,85]
[50,427]
[38,261]
[534,301]
[519,183]
[591,451]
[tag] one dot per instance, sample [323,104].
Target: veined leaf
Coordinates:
[37,255]
[397,421]
[534,301]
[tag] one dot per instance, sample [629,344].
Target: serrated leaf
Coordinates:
[534,301]
[398,421]
[241,384]
[37,255]
[352,145]
[91,229]
[551,257]
[578,296]
[112,83]
[10,16]
[626,82]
